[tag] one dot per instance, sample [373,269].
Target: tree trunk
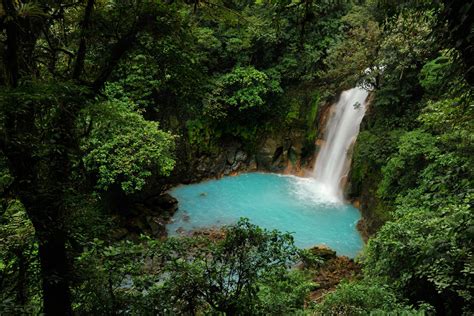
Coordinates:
[40,185]
[54,272]
[11,51]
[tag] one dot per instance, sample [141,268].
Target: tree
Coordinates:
[427,257]
[354,59]
[227,274]
[244,88]
[41,101]
[123,148]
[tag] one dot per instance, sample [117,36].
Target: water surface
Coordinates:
[287,203]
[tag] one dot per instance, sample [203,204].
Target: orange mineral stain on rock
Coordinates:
[356,203]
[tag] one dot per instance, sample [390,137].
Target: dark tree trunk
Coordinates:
[44,210]
[11,49]
[21,288]
[460,21]
[40,185]
[54,272]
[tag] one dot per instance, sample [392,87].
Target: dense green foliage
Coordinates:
[122,147]
[417,149]
[18,262]
[101,100]
[245,272]
[359,298]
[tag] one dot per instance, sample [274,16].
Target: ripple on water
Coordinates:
[287,203]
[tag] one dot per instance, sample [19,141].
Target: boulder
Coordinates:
[157,226]
[164,202]
[323,252]
[228,170]
[119,233]
[203,164]
[266,153]
[137,225]
[230,155]
[240,156]
[252,165]
[217,168]
[235,166]
[269,147]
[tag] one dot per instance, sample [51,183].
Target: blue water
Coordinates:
[287,203]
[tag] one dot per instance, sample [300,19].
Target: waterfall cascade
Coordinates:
[333,161]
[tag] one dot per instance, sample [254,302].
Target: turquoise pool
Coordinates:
[287,203]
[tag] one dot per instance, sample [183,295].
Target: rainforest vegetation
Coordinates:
[107,103]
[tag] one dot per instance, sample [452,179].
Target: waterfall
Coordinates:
[333,161]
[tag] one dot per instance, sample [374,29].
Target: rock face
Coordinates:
[331,273]
[364,193]
[163,202]
[276,153]
[149,217]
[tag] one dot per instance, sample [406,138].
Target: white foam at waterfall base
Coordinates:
[333,161]
[313,192]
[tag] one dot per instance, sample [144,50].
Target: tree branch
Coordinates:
[81,51]
[120,48]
